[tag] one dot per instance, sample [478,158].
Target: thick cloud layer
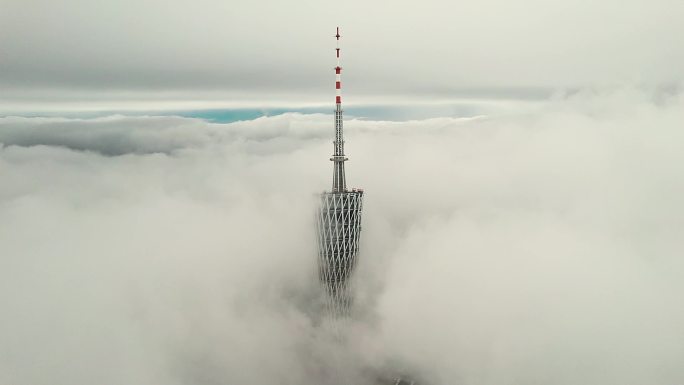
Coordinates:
[540,247]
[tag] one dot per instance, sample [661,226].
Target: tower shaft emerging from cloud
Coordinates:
[338,221]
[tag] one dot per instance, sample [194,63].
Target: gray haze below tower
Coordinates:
[80,52]
[542,246]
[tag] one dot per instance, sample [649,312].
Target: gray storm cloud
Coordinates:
[538,247]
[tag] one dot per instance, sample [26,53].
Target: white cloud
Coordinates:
[534,247]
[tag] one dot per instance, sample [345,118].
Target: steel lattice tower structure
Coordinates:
[338,221]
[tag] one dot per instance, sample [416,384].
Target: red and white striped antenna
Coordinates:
[338,70]
[339,180]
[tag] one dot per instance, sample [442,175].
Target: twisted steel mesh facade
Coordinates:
[339,230]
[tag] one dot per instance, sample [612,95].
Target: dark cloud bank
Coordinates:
[535,248]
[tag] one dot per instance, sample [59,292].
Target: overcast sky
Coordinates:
[278,51]
[527,241]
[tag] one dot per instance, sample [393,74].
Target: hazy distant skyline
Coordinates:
[261,52]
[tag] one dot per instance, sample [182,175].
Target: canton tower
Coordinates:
[338,221]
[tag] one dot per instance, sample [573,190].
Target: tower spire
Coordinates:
[339,181]
[338,223]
